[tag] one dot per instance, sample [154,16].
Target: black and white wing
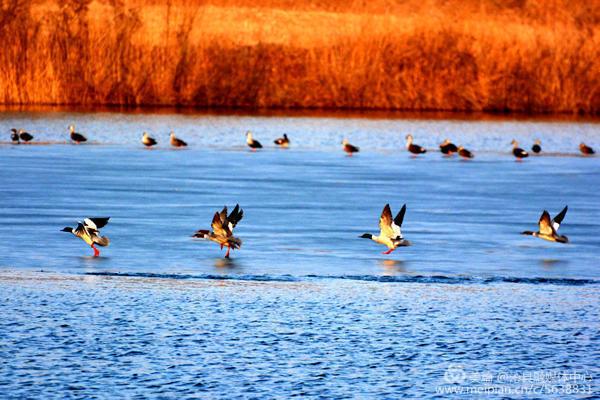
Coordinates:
[557,220]
[95,224]
[80,230]
[236,216]
[397,223]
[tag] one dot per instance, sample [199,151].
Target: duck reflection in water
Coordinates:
[226,263]
[392,267]
[550,263]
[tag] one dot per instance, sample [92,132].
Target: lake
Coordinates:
[305,307]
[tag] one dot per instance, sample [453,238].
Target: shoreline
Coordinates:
[304,112]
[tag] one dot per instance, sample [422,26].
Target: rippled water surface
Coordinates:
[305,307]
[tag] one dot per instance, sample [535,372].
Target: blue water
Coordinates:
[305,307]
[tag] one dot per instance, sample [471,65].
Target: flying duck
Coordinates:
[75,136]
[537,146]
[253,144]
[517,151]
[447,147]
[222,229]
[464,153]
[176,142]
[348,148]
[390,234]
[89,232]
[148,141]
[548,230]
[14,136]
[282,141]
[413,148]
[587,150]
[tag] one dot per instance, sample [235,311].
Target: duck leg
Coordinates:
[388,252]
[96,252]
[227,254]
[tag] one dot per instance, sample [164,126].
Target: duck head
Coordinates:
[202,234]
[67,229]
[366,236]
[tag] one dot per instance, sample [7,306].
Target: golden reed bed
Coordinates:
[511,55]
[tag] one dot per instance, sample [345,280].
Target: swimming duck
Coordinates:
[222,229]
[548,230]
[282,141]
[253,144]
[587,150]
[464,153]
[76,137]
[390,234]
[148,141]
[89,232]
[348,148]
[447,147]
[413,148]
[537,146]
[517,151]
[176,142]
[24,136]
[14,136]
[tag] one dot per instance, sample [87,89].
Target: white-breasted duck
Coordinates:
[148,141]
[414,148]
[251,142]
[585,149]
[537,146]
[175,141]
[548,229]
[282,141]
[464,153]
[448,148]
[390,234]
[222,229]
[14,136]
[517,151]
[348,148]
[76,136]
[89,232]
